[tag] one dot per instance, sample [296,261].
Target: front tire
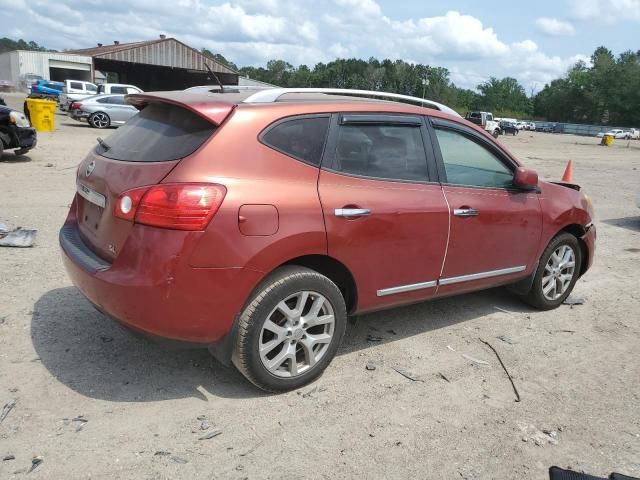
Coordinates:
[290,330]
[557,273]
[99,120]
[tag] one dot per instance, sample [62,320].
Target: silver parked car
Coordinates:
[102,111]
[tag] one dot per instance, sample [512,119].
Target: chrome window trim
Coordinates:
[406,288]
[481,275]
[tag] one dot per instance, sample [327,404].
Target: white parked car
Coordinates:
[635,133]
[616,133]
[522,125]
[531,126]
[75,90]
[117,88]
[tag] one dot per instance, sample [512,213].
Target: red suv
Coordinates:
[254,224]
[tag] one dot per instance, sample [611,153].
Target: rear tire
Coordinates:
[557,273]
[99,120]
[1,149]
[290,330]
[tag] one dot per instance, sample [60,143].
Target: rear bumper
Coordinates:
[151,288]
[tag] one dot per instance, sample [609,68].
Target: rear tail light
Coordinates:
[178,206]
[75,105]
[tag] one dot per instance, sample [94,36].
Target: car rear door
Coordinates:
[495,227]
[119,110]
[386,218]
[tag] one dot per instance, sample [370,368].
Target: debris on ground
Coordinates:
[500,309]
[204,425]
[506,339]
[20,237]
[106,339]
[211,434]
[370,366]
[373,338]
[178,459]
[571,301]
[79,418]
[252,449]
[392,331]
[201,417]
[35,462]
[6,410]
[469,357]
[536,435]
[562,331]
[161,453]
[443,377]
[406,374]
[515,390]
[6,458]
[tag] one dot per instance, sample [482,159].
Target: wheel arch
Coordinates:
[328,266]
[578,231]
[333,269]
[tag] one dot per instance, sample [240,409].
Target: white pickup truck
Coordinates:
[486,120]
[621,134]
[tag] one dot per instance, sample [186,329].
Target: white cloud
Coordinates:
[251,32]
[555,27]
[608,11]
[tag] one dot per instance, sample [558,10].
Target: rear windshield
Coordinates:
[157,133]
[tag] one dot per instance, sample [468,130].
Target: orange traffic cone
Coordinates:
[568,172]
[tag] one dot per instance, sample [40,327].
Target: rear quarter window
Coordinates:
[302,138]
[159,132]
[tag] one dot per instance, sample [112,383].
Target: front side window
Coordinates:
[76,85]
[466,162]
[118,90]
[379,150]
[91,88]
[301,138]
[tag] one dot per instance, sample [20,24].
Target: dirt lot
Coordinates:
[94,401]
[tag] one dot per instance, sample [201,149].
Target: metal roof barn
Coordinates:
[21,66]
[162,64]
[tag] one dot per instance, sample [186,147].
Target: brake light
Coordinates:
[178,206]
[75,105]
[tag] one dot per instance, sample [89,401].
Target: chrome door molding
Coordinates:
[406,288]
[449,281]
[481,275]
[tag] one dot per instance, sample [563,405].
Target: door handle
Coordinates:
[465,212]
[352,212]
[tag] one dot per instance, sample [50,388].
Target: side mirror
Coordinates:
[525,178]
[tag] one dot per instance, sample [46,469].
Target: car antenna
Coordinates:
[215,77]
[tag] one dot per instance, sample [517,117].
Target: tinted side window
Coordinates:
[76,85]
[91,87]
[469,163]
[118,90]
[103,100]
[394,152]
[116,100]
[301,138]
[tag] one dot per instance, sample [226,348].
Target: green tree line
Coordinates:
[7,45]
[606,91]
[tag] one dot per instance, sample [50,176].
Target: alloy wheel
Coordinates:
[558,272]
[100,120]
[296,334]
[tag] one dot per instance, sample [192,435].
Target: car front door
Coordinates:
[495,227]
[385,215]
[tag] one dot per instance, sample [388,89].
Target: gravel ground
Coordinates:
[93,401]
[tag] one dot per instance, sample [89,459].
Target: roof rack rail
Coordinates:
[272,95]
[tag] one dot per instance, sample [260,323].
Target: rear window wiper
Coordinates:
[103,144]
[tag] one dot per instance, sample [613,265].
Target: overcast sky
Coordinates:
[532,40]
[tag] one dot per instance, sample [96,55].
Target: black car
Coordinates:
[507,128]
[15,131]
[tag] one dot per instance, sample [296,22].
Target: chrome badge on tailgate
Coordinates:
[91,195]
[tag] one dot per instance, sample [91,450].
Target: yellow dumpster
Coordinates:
[607,140]
[42,114]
